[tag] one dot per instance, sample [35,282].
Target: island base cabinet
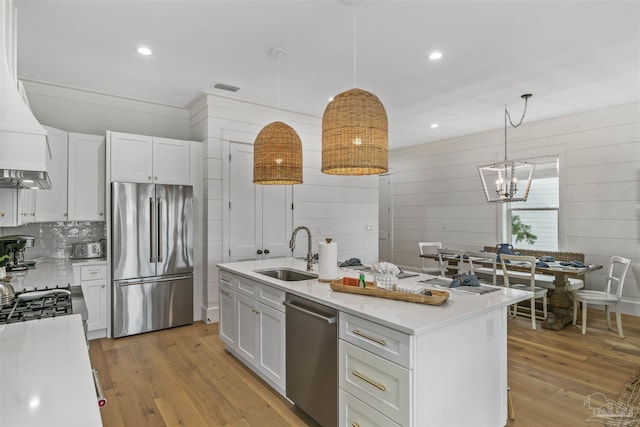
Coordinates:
[353,412]
[227,323]
[375,381]
[252,325]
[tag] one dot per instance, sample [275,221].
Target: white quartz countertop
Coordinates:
[45,375]
[50,272]
[408,317]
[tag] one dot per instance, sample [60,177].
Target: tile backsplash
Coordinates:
[54,239]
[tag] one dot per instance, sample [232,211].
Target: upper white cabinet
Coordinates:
[86,177]
[9,207]
[51,205]
[144,159]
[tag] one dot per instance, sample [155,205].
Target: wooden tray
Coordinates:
[436,297]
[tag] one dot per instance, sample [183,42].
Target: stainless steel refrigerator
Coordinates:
[151,257]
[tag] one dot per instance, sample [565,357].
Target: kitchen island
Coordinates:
[45,374]
[400,363]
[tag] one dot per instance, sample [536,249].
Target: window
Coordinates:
[534,223]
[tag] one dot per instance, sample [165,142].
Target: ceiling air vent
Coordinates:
[223,86]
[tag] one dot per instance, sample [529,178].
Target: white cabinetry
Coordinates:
[145,159]
[8,207]
[77,172]
[86,177]
[227,301]
[373,369]
[260,216]
[254,328]
[387,377]
[51,205]
[27,206]
[93,279]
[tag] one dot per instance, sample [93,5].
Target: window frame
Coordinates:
[504,209]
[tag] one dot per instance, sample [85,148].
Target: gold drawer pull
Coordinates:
[355,425]
[370,338]
[368,380]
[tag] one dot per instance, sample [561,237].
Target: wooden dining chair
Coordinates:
[444,255]
[510,274]
[429,248]
[480,270]
[610,297]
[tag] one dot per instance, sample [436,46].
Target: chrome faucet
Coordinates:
[292,245]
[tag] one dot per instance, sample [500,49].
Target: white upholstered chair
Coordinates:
[454,267]
[428,265]
[480,270]
[510,273]
[610,297]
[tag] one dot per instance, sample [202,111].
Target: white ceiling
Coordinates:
[572,55]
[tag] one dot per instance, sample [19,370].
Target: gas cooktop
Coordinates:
[38,303]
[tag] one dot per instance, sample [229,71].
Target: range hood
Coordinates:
[23,141]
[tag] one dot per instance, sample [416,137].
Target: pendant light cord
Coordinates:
[508,116]
[355,83]
[278,85]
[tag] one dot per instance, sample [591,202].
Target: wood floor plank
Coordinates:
[185,376]
[177,409]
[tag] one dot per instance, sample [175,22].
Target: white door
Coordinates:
[384,218]
[260,216]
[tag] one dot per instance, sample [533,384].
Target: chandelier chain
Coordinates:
[508,116]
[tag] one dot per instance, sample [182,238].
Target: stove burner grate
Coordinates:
[47,306]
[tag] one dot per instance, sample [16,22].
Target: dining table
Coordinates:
[560,300]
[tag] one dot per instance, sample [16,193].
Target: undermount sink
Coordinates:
[288,274]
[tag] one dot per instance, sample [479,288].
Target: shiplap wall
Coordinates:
[437,195]
[343,208]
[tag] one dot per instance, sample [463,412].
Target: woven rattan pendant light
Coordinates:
[277,150]
[355,130]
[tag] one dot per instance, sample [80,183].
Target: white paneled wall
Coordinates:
[343,208]
[437,194]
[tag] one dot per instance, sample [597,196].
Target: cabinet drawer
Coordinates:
[377,382]
[385,342]
[353,412]
[272,297]
[93,272]
[227,278]
[247,287]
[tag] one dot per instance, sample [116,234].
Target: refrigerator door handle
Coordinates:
[152,235]
[150,280]
[159,231]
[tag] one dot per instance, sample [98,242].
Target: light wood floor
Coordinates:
[184,377]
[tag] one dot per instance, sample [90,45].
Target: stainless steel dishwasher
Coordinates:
[312,358]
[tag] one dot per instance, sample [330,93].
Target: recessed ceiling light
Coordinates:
[434,125]
[435,55]
[143,50]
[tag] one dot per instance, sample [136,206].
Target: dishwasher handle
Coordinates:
[329,320]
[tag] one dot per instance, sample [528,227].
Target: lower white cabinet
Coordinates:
[373,372]
[227,329]
[252,325]
[93,279]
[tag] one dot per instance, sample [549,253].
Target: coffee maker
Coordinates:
[13,247]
